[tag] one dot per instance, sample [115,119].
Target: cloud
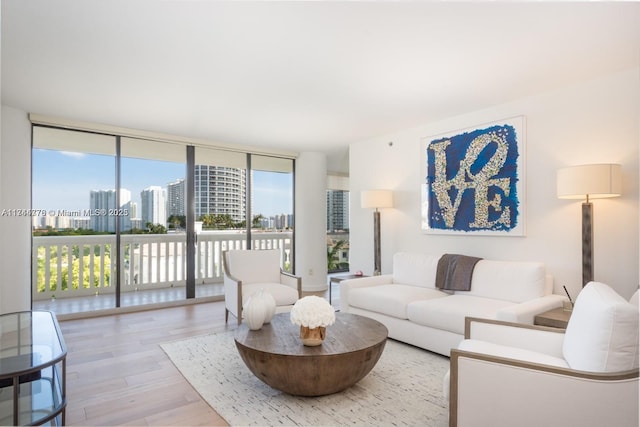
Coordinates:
[73,154]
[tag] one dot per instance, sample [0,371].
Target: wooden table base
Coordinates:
[276,355]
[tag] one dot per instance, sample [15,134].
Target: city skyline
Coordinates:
[63,181]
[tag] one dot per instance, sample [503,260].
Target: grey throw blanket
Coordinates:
[454,272]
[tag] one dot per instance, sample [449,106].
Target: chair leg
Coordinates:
[226,315]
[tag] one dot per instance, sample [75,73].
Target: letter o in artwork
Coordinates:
[491,166]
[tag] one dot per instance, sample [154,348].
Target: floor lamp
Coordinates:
[376,199]
[589,182]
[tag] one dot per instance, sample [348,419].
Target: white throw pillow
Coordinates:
[602,334]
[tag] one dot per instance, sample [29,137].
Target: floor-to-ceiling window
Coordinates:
[271,214]
[138,220]
[220,201]
[73,195]
[337,224]
[153,233]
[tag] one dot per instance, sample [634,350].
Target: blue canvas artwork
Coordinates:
[473,182]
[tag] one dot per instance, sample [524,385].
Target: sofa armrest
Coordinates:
[360,282]
[293,281]
[526,311]
[527,337]
[479,382]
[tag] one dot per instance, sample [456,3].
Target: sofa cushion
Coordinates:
[415,269]
[449,313]
[602,334]
[392,299]
[283,294]
[508,280]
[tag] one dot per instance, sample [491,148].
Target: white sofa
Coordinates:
[414,311]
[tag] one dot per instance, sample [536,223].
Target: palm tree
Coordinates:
[332,254]
[207,220]
[257,219]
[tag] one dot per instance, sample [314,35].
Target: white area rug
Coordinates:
[404,388]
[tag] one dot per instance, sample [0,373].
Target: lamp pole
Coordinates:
[587,242]
[376,199]
[376,243]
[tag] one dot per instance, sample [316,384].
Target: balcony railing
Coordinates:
[73,266]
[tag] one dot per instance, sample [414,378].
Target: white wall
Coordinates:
[15,193]
[590,122]
[311,221]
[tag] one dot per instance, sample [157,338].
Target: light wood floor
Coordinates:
[117,374]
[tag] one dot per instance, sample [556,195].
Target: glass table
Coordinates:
[32,369]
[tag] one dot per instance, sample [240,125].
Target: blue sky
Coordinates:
[63,181]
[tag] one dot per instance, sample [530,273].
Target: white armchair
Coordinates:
[506,374]
[248,271]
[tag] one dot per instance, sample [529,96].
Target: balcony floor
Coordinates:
[95,305]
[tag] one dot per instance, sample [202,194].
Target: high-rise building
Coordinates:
[281,222]
[220,190]
[175,198]
[84,223]
[154,206]
[337,210]
[133,211]
[105,210]
[266,223]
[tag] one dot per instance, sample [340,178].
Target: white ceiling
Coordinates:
[306,76]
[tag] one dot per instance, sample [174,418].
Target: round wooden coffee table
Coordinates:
[276,355]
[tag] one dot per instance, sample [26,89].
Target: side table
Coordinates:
[32,369]
[340,278]
[556,318]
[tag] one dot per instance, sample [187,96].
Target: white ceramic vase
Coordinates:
[269,304]
[254,312]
